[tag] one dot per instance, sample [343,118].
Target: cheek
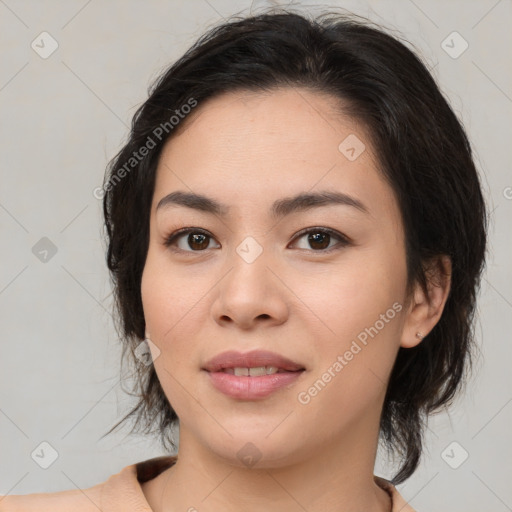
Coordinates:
[353,294]
[359,312]
[168,303]
[172,308]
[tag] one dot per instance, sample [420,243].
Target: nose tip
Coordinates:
[249,295]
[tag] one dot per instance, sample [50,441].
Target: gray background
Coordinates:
[65,116]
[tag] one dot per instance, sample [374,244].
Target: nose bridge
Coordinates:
[250,290]
[250,273]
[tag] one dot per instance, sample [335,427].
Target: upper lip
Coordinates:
[253,359]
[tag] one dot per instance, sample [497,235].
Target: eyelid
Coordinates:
[343,239]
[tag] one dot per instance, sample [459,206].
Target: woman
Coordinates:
[296,229]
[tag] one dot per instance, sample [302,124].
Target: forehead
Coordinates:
[245,147]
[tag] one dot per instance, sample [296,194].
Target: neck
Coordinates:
[337,477]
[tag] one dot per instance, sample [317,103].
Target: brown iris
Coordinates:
[198,238]
[321,238]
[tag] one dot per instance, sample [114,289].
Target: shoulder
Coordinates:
[122,492]
[80,500]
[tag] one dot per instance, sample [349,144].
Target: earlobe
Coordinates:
[426,308]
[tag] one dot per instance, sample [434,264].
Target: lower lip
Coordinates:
[252,388]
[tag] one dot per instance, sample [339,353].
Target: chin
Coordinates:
[258,450]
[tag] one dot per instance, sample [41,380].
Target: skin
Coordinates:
[247,150]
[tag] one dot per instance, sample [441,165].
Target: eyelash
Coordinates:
[343,240]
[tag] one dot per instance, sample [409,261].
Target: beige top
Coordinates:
[122,492]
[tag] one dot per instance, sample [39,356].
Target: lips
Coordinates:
[254,359]
[269,373]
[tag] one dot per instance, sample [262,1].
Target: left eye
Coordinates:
[319,239]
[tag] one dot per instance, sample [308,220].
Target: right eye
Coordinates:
[198,239]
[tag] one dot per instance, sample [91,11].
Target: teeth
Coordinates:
[252,372]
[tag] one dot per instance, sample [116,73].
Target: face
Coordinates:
[322,285]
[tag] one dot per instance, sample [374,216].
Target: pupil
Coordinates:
[318,237]
[197,239]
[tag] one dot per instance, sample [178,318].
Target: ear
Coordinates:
[425,310]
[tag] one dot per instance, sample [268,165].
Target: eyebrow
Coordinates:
[280,208]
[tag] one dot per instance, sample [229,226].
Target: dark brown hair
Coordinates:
[423,152]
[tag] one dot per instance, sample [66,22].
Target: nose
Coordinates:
[251,294]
